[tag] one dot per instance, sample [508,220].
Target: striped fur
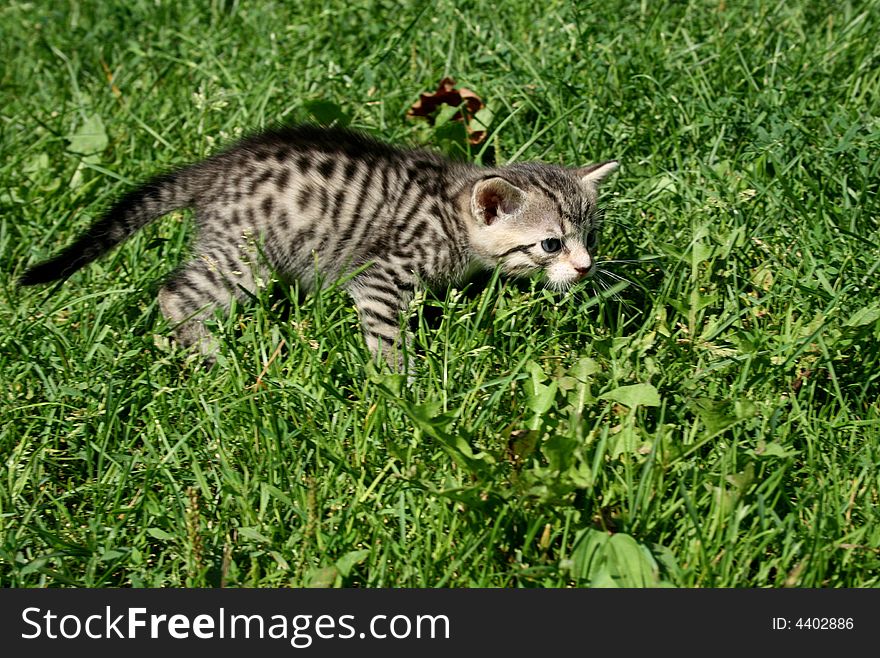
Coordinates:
[316,204]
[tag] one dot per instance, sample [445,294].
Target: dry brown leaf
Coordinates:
[447,94]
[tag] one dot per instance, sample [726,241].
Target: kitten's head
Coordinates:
[532,217]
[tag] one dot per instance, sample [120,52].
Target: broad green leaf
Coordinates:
[700,252]
[327,113]
[157,533]
[253,533]
[626,441]
[744,479]
[663,184]
[539,397]
[603,578]
[33,566]
[715,415]
[586,554]
[763,278]
[536,371]
[111,554]
[632,562]
[584,368]
[348,561]
[452,132]
[634,395]
[558,450]
[37,164]
[867,315]
[90,138]
[444,114]
[277,493]
[321,577]
[482,119]
[698,302]
[718,415]
[429,418]
[523,442]
[774,449]
[581,476]
[744,408]
[617,560]
[392,381]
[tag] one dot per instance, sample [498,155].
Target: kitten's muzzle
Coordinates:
[585,272]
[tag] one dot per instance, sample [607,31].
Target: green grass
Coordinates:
[713,423]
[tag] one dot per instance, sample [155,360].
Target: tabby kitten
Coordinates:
[316,204]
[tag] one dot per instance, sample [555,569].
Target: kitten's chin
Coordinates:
[563,283]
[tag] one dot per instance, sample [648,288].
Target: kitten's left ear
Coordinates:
[595,173]
[495,197]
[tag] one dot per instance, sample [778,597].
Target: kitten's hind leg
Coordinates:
[194,294]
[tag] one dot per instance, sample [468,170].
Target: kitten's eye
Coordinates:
[551,245]
[592,240]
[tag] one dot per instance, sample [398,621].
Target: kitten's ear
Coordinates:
[493,197]
[595,173]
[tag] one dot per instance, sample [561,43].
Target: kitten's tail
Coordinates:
[132,212]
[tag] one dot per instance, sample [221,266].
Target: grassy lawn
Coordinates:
[705,415]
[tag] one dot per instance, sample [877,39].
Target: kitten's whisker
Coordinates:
[624,279]
[623,261]
[602,222]
[617,277]
[609,288]
[606,289]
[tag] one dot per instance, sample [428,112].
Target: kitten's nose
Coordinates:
[582,271]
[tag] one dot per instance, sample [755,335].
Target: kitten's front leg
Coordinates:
[382,297]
